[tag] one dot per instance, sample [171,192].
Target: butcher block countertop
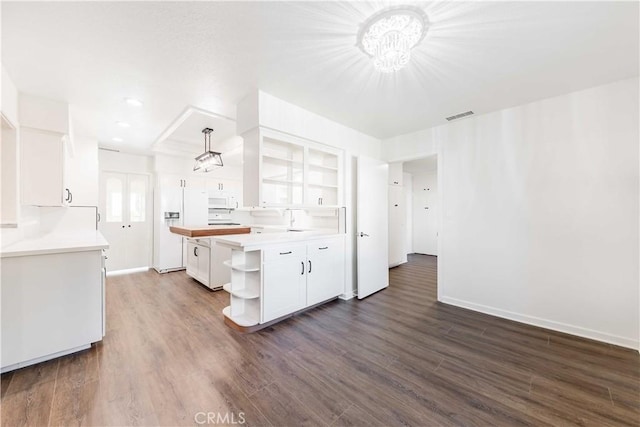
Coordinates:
[210,230]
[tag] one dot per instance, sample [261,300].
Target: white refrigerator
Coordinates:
[176,206]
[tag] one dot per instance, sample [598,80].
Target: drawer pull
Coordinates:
[302,262]
[285,253]
[322,249]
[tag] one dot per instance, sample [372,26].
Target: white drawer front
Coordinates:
[285,252]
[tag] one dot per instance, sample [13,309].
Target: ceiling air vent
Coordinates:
[459,116]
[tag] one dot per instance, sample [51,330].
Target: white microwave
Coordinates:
[222,200]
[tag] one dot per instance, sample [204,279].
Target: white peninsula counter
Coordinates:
[52,296]
[275,275]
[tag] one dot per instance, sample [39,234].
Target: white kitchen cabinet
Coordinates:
[284,281]
[325,270]
[198,261]
[52,304]
[285,171]
[182,181]
[395,173]
[43,168]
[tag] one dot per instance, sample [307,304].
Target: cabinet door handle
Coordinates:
[66,199]
[322,249]
[236,205]
[195,251]
[283,253]
[309,266]
[70,196]
[301,273]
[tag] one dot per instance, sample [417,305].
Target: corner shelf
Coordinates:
[241,267]
[242,293]
[242,320]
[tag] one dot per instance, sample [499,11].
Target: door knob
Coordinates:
[363,234]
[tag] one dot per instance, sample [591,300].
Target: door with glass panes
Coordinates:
[125,219]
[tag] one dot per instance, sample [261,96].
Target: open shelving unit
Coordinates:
[282,170]
[322,178]
[244,288]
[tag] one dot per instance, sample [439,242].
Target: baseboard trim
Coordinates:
[545,323]
[347,296]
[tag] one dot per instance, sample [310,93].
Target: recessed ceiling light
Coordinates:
[133,102]
[117,139]
[123,124]
[389,36]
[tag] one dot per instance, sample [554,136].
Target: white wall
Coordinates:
[412,146]
[277,114]
[540,212]
[124,162]
[407,181]
[9,154]
[8,98]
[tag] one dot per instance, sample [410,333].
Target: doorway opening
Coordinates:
[414,206]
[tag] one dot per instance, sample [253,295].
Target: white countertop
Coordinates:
[250,242]
[56,243]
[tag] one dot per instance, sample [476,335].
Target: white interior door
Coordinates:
[372,226]
[425,214]
[139,220]
[125,219]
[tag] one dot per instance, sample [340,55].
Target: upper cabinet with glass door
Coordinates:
[285,171]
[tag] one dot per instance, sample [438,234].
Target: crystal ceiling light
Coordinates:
[209,159]
[389,36]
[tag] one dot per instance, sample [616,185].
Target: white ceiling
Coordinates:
[479,56]
[190,130]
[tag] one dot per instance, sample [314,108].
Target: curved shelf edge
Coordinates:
[243,293]
[240,321]
[241,267]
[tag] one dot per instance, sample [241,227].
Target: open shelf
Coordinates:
[241,320]
[323,185]
[282,160]
[323,167]
[281,181]
[242,293]
[241,267]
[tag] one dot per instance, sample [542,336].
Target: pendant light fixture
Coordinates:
[209,159]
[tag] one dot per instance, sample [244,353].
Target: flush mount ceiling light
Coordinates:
[123,124]
[389,36]
[117,139]
[209,159]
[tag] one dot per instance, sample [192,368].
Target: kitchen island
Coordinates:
[204,258]
[209,230]
[275,275]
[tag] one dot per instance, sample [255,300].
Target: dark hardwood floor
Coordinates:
[397,358]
